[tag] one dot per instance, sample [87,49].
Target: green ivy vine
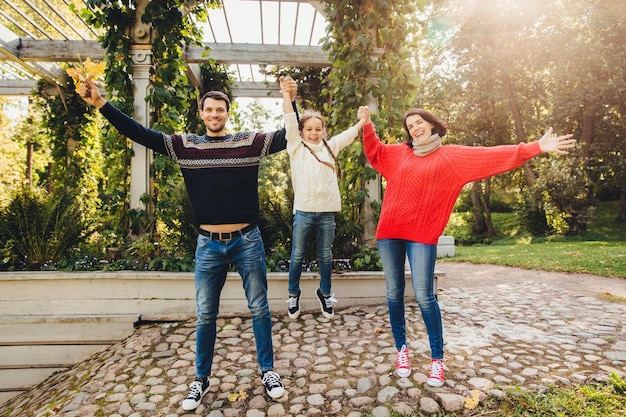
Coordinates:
[73,142]
[365,43]
[356,33]
[171,96]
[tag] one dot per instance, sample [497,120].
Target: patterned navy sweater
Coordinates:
[221,173]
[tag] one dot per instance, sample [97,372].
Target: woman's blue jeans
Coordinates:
[303,224]
[212,260]
[422,258]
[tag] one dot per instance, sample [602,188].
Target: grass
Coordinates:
[597,258]
[593,400]
[601,251]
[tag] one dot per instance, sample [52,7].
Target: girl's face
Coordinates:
[312,130]
[419,129]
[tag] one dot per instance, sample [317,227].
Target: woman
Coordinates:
[424,180]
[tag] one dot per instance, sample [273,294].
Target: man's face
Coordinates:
[214,115]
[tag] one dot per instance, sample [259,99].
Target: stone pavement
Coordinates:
[503,327]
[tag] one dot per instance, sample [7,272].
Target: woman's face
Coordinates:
[312,130]
[419,129]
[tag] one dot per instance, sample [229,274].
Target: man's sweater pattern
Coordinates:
[421,191]
[221,174]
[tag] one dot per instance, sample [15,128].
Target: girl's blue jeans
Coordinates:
[303,224]
[422,258]
[213,257]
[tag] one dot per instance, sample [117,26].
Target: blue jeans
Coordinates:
[212,260]
[324,225]
[422,262]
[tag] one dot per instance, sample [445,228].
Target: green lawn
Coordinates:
[601,251]
[597,258]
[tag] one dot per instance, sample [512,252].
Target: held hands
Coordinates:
[288,86]
[91,94]
[363,114]
[556,144]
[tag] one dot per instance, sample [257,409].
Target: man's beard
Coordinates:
[218,129]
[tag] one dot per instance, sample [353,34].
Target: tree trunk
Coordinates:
[622,205]
[487,208]
[479,219]
[29,163]
[49,184]
[520,134]
[586,136]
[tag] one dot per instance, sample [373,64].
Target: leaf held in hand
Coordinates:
[88,70]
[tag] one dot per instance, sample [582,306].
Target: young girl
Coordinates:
[314,171]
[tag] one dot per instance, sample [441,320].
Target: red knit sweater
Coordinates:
[421,191]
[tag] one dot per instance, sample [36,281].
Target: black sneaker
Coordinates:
[326,304]
[294,306]
[197,389]
[273,385]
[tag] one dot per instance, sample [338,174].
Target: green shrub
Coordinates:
[366,259]
[37,228]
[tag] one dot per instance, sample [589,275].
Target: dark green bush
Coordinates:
[37,228]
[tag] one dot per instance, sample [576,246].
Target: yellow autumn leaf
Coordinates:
[237,396]
[94,71]
[472,403]
[88,70]
[72,73]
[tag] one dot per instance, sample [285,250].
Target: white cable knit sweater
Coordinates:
[315,185]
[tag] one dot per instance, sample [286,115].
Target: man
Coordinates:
[220,171]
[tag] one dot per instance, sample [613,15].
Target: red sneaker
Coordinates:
[403,369]
[435,377]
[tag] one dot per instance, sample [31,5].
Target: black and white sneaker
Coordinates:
[294,306]
[273,385]
[197,389]
[326,304]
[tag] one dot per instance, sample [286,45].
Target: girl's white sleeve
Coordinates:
[293,134]
[343,139]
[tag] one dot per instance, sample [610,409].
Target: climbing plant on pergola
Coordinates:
[368,65]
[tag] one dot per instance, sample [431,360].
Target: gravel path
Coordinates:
[503,327]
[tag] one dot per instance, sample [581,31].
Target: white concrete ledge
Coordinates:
[52,320]
[164,295]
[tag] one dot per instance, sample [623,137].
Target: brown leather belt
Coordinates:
[227,236]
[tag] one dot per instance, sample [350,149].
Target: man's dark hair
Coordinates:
[215,95]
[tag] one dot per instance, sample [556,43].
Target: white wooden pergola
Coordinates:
[36,36]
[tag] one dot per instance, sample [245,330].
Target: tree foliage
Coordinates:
[499,71]
[510,70]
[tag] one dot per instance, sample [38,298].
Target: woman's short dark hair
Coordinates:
[215,95]
[440,128]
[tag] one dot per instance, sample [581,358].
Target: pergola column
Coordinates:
[373,188]
[141,53]
[142,156]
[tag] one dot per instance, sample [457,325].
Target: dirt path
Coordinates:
[462,274]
